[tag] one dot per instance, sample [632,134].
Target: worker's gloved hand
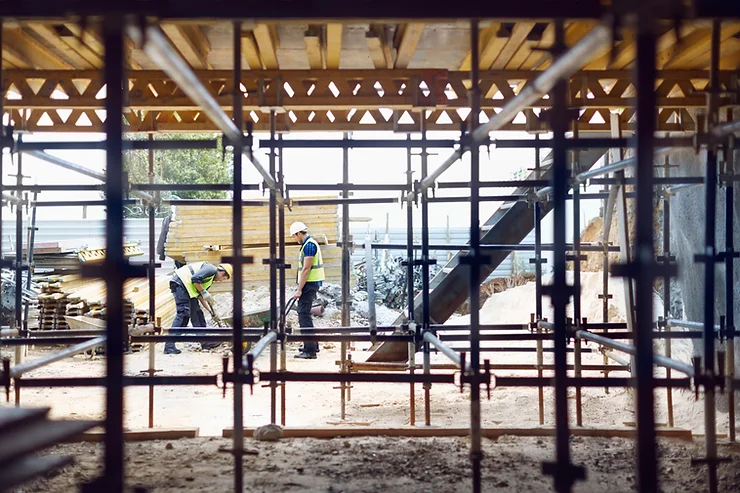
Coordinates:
[207,297]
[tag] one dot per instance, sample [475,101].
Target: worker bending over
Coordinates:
[189,285]
[310,275]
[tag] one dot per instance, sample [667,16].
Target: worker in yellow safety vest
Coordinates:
[310,275]
[189,285]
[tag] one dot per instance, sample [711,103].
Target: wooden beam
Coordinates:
[51,35]
[533,39]
[12,56]
[697,44]
[407,38]
[313,48]
[92,40]
[74,42]
[333,45]
[518,35]
[731,58]
[190,42]
[266,45]
[535,56]
[32,51]
[375,47]
[573,34]
[416,431]
[139,435]
[250,52]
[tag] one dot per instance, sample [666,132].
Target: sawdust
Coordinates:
[368,465]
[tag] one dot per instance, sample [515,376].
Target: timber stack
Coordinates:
[204,233]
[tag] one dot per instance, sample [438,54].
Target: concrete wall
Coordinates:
[687,239]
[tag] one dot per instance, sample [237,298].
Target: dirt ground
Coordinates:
[367,464]
[359,465]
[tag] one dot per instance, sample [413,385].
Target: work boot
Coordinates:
[170,348]
[205,346]
[303,349]
[305,355]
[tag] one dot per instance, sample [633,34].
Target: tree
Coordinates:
[188,166]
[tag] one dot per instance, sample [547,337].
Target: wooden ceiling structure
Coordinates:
[346,76]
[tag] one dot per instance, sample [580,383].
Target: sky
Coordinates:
[315,166]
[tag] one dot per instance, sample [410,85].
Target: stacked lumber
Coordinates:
[205,233]
[52,307]
[88,297]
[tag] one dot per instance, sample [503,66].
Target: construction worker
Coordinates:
[189,285]
[310,275]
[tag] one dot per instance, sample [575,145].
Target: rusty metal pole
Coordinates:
[281,253]
[273,275]
[152,282]
[346,267]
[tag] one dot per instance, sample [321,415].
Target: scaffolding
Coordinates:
[551,186]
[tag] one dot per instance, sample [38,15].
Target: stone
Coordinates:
[271,432]
[169,446]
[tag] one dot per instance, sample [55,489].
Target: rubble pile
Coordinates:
[389,277]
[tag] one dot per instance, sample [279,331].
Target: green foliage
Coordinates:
[188,166]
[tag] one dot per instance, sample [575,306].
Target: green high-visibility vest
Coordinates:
[317,266]
[186,273]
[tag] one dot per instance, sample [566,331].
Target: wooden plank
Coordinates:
[51,35]
[266,46]
[192,46]
[98,435]
[32,51]
[407,39]
[412,431]
[314,52]
[250,53]
[333,45]
[375,47]
[518,35]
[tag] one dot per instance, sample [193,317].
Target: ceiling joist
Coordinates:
[250,52]
[333,45]
[32,51]
[64,40]
[191,43]
[407,38]
[267,43]
[313,48]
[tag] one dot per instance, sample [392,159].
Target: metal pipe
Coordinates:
[346,267]
[444,349]
[371,317]
[710,232]
[281,254]
[237,234]
[631,350]
[547,247]
[18,370]
[15,200]
[115,260]
[667,284]
[82,170]
[29,260]
[273,275]
[562,476]
[726,129]
[19,250]
[677,188]
[161,52]
[356,144]
[672,322]
[643,268]
[127,145]
[604,170]
[260,346]
[567,65]
[578,361]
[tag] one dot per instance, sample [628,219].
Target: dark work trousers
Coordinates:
[305,319]
[187,309]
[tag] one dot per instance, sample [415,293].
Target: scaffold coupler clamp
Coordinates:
[662,323]
[532,322]
[225,372]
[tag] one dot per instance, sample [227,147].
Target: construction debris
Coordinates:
[390,277]
[268,433]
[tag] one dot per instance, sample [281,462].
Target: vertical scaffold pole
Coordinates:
[273,274]
[281,253]
[238,319]
[346,267]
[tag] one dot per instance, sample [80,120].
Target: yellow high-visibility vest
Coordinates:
[186,273]
[317,266]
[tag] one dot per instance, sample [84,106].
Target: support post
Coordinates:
[476,450]
[152,271]
[273,275]
[236,261]
[577,274]
[115,261]
[538,261]
[281,253]
[667,283]
[425,308]
[560,292]
[19,249]
[643,268]
[346,261]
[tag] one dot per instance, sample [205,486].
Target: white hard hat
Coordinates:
[297,227]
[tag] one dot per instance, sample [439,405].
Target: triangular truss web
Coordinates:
[83,121]
[367,119]
[444,119]
[59,93]
[406,119]
[45,120]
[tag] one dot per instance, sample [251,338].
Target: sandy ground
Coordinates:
[359,465]
[365,464]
